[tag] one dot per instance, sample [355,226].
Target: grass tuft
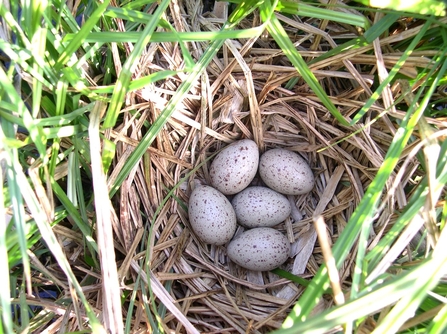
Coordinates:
[110,113]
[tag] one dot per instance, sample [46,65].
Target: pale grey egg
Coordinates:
[286,172]
[211,215]
[260,207]
[259,249]
[235,167]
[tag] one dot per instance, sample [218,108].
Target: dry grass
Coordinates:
[242,95]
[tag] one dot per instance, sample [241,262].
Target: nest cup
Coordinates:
[215,294]
[228,104]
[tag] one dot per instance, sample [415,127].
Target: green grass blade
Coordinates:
[130,308]
[439,323]
[149,79]
[135,4]
[426,7]
[53,244]
[372,33]
[303,9]
[158,37]
[140,82]
[39,39]
[291,277]
[364,213]
[244,8]
[80,36]
[63,131]
[24,309]
[66,118]
[359,271]
[32,12]
[90,53]
[27,13]
[75,79]
[19,213]
[182,90]
[279,34]
[61,97]
[416,201]
[18,186]
[407,306]
[32,237]
[20,56]
[108,153]
[10,164]
[5,294]
[370,302]
[13,24]
[134,16]
[122,84]
[75,189]
[413,207]
[380,27]
[395,70]
[147,301]
[74,213]
[419,195]
[35,132]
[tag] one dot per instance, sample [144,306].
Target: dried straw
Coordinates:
[202,290]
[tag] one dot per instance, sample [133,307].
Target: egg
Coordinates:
[260,207]
[259,249]
[211,215]
[235,167]
[286,172]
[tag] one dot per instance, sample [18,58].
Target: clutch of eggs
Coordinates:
[214,219]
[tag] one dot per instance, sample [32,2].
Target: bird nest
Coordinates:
[250,90]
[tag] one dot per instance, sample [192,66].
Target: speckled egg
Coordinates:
[259,249]
[211,215]
[235,167]
[260,207]
[286,172]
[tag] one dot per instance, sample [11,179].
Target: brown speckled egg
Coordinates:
[260,207]
[286,172]
[211,215]
[259,249]
[235,167]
